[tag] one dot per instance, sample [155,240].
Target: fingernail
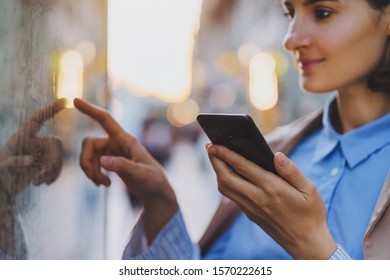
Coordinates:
[281,159]
[211,150]
[106,161]
[65,101]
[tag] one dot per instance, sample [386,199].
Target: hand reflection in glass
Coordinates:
[26,158]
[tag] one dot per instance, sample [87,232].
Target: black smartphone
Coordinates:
[239,133]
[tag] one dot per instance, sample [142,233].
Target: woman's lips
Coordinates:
[309,64]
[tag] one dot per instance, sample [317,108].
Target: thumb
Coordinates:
[114,164]
[125,168]
[290,172]
[15,162]
[132,173]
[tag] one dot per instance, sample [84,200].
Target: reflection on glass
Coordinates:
[49,48]
[26,158]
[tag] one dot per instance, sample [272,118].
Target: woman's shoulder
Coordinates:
[285,137]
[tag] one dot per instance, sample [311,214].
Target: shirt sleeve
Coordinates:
[172,243]
[340,254]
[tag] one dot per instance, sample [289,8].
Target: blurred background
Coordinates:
[155,65]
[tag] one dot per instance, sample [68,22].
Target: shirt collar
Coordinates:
[357,144]
[329,138]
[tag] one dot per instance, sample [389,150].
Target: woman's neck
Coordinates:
[358,107]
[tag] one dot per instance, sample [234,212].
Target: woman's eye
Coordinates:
[322,13]
[289,15]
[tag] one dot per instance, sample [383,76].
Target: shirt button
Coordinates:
[334,172]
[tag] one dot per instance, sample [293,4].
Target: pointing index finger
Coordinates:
[98,114]
[34,124]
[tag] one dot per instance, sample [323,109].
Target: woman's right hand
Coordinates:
[288,207]
[122,153]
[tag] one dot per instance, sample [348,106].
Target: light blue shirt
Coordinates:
[348,170]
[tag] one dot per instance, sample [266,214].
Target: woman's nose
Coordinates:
[297,36]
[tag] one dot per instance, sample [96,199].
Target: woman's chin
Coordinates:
[316,88]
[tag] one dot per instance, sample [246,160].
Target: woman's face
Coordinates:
[335,43]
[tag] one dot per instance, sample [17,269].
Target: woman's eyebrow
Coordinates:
[311,2]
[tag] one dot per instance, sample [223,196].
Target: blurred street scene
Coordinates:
[154,65]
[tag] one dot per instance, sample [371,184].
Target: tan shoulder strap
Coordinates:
[225,215]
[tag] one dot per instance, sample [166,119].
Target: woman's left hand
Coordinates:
[288,208]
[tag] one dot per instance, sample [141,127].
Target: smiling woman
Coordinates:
[331,199]
[327,59]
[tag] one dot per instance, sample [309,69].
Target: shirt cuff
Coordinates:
[172,243]
[340,254]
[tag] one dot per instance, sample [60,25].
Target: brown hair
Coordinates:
[379,79]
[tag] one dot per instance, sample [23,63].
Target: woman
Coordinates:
[332,201]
